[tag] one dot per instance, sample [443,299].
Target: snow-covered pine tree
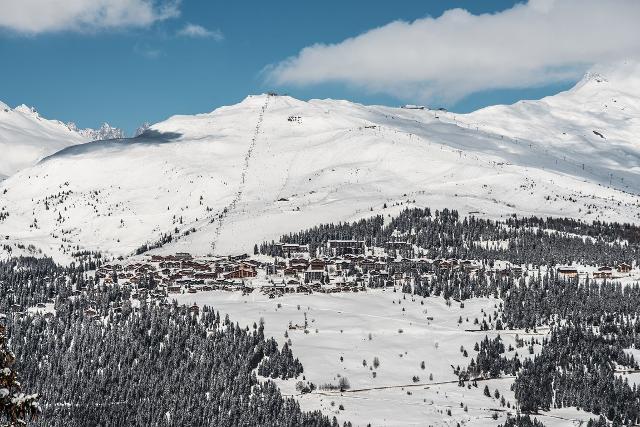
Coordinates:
[15,406]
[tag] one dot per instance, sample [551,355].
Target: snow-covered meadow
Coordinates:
[346,330]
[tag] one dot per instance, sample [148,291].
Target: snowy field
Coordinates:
[401,332]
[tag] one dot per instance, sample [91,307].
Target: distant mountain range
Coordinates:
[221,181]
[26,137]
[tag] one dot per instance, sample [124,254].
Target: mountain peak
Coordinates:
[26,137]
[25,109]
[106,131]
[623,76]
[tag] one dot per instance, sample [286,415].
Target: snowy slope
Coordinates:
[596,123]
[26,137]
[273,164]
[362,326]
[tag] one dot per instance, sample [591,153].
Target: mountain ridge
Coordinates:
[221,181]
[26,137]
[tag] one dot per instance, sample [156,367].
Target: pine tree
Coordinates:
[15,406]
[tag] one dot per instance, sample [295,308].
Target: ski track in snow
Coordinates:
[243,176]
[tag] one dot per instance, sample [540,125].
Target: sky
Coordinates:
[130,61]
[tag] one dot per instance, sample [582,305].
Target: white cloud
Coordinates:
[446,58]
[198,31]
[39,16]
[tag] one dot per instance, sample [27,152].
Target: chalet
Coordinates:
[314,273]
[183,256]
[224,283]
[271,269]
[398,245]
[252,263]
[242,271]
[343,247]
[290,272]
[567,271]
[342,265]
[194,309]
[170,264]
[294,249]
[299,264]
[317,264]
[368,264]
[623,267]
[226,267]
[174,289]
[605,272]
[195,266]
[205,276]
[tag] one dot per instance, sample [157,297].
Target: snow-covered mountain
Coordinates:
[26,137]
[218,182]
[106,131]
[595,124]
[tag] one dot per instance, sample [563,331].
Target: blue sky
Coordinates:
[134,72]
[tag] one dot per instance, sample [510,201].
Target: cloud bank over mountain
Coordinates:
[446,58]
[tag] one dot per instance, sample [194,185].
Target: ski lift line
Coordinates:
[220,215]
[243,176]
[603,177]
[580,166]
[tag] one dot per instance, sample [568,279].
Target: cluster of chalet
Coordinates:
[342,266]
[39,309]
[347,266]
[160,275]
[604,272]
